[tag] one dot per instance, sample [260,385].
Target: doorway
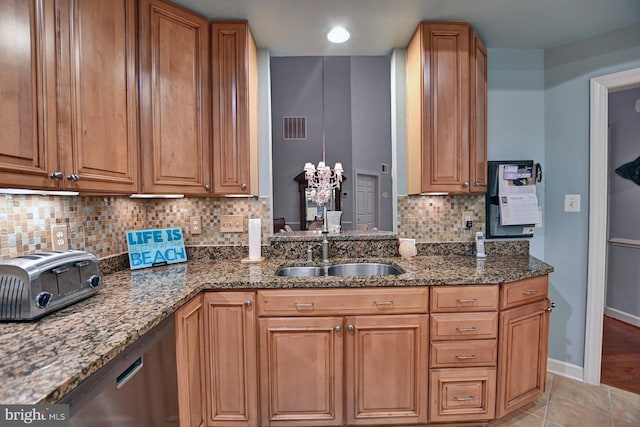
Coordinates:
[598,215]
[366,201]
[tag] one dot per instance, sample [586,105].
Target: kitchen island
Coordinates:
[41,362]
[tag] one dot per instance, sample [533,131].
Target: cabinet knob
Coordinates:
[550,309]
[466,184]
[351,328]
[243,186]
[207,186]
[57,175]
[248,303]
[338,328]
[476,184]
[73,177]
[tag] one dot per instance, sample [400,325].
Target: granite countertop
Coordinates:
[42,361]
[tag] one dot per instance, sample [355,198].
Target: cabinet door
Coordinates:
[478,116]
[230,338]
[235,126]
[174,99]
[522,362]
[28,87]
[445,161]
[301,371]
[97,100]
[386,369]
[189,324]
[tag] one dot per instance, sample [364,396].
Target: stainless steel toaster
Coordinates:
[34,285]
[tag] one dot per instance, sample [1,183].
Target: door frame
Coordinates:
[598,213]
[357,172]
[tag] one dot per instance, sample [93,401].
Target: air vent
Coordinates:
[11,288]
[294,128]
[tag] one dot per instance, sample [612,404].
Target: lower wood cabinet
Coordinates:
[190,349]
[230,368]
[334,357]
[462,394]
[301,368]
[524,337]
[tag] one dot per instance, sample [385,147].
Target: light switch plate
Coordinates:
[59,237]
[572,203]
[195,226]
[231,224]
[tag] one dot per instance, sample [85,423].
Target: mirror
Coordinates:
[351,96]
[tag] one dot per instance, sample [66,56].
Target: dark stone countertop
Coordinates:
[42,361]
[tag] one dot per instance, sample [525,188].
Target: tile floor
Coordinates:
[569,403]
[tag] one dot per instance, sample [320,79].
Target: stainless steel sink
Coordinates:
[304,271]
[363,269]
[349,269]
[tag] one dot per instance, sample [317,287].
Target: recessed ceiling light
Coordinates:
[338,35]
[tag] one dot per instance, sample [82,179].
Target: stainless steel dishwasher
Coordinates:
[136,389]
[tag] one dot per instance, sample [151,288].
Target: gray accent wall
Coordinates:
[568,70]
[357,125]
[623,281]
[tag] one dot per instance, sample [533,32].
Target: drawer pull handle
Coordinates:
[530,292]
[464,399]
[467,300]
[471,357]
[463,330]
[387,303]
[303,305]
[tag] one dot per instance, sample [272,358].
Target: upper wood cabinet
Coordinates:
[69,95]
[174,100]
[28,153]
[446,110]
[235,108]
[97,99]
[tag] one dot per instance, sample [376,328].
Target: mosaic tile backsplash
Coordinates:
[436,219]
[98,224]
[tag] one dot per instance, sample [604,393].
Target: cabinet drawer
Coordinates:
[450,354]
[464,298]
[523,291]
[462,394]
[322,302]
[460,326]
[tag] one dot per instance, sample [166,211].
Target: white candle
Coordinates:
[254,239]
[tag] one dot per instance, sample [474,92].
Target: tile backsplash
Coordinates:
[98,224]
[437,219]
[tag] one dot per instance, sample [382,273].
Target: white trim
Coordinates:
[598,192]
[622,316]
[564,369]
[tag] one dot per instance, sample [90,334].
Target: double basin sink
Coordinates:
[348,269]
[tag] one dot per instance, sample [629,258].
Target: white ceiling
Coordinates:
[298,27]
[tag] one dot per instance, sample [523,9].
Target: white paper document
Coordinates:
[517,194]
[519,209]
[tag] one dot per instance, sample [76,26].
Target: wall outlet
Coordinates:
[59,237]
[467,219]
[195,226]
[231,224]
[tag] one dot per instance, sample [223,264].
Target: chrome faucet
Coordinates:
[325,250]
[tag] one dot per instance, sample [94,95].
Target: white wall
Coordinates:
[568,70]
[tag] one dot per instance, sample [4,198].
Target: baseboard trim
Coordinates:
[622,316]
[565,369]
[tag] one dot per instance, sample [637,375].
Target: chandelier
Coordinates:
[322,180]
